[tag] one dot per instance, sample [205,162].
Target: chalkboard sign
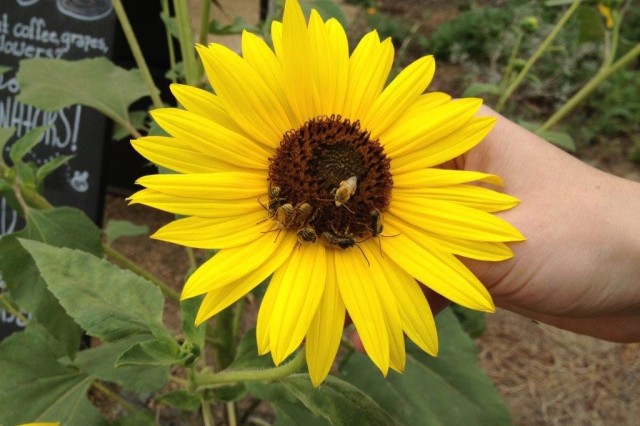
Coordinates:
[67,29]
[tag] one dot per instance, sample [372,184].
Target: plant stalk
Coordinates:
[137,52]
[172,52]
[185,35]
[532,60]
[113,396]
[601,76]
[8,306]
[266,375]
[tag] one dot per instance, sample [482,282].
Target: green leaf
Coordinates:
[4,69]
[58,227]
[108,302]
[22,146]
[52,84]
[152,352]
[472,322]
[477,89]
[100,363]
[35,387]
[337,401]
[139,418]
[327,9]
[123,228]
[560,139]
[5,134]
[237,27]
[247,354]
[51,166]
[180,399]
[27,173]
[64,227]
[189,309]
[449,390]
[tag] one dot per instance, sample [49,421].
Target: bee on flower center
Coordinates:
[343,241]
[345,190]
[307,235]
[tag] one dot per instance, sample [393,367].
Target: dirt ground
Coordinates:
[546,376]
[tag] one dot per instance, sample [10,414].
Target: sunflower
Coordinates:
[305,168]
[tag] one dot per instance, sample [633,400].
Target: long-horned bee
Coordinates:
[345,190]
[376,222]
[273,203]
[307,235]
[303,213]
[342,241]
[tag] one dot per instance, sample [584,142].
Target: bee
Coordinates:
[303,212]
[342,241]
[307,235]
[376,222]
[345,190]
[275,201]
[274,198]
[285,215]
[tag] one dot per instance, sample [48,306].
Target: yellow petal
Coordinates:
[210,137]
[397,355]
[218,299]
[430,178]
[176,155]
[297,62]
[330,54]
[369,67]
[325,331]
[299,294]
[195,206]
[448,147]
[245,95]
[453,220]
[401,93]
[212,186]
[439,271]
[233,264]
[276,37]
[479,250]
[415,313]
[206,104]
[468,195]
[408,135]
[215,233]
[363,304]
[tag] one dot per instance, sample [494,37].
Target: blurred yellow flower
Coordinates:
[606,12]
[299,165]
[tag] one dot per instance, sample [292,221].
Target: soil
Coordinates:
[546,376]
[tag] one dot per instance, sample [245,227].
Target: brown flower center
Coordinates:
[331,165]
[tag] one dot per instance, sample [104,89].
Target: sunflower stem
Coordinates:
[532,60]
[231,414]
[601,76]
[127,263]
[207,416]
[185,35]
[13,310]
[172,53]
[209,380]
[137,52]
[99,387]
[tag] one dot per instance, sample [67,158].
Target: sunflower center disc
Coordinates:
[313,162]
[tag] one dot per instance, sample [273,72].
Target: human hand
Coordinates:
[580,266]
